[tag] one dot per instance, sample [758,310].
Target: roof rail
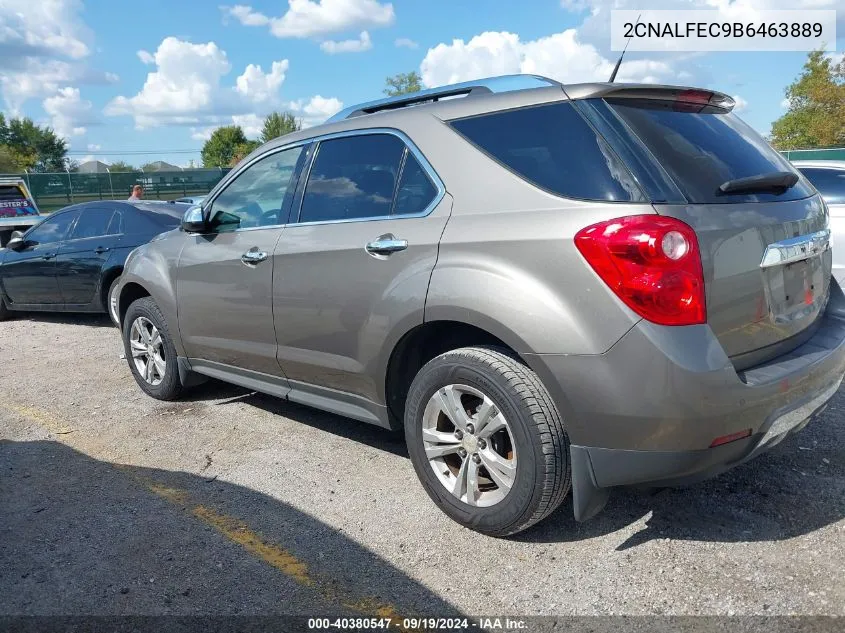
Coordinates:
[504,83]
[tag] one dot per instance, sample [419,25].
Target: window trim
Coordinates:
[305,173]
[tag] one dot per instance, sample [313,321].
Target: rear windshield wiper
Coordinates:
[775,182]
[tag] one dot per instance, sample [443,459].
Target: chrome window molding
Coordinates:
[409,144]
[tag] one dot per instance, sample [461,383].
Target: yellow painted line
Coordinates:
[233,529]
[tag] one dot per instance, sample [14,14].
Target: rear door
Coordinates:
[29,274]
[86,250]
[354,264]
[765,254]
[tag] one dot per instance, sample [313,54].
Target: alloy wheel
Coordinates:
[147,350]
[469,445]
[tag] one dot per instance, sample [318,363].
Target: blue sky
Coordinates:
[118,78]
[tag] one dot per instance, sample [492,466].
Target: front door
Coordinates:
[355,267]
[81,258]
[29,274]
[224,283]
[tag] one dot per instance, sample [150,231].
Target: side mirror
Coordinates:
[194,221]
[16,241]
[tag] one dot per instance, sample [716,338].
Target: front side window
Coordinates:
[829,182]
[92,223]
[353,177]
[53,229]
[255,198]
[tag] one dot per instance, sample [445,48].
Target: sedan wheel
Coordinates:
[112,303]
[147,351]
[468,445]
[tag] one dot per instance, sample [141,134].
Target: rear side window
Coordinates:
[829,182]
[553,147]
[352,177]
[92,223]
[702,150]
[116,224]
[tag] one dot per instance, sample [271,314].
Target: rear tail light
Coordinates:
[652,263]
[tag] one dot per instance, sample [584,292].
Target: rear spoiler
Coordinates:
[681,94]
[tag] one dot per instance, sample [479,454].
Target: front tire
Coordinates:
[149,350]
[486,440]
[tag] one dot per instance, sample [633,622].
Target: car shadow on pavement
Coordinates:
[82,536]
[796,488]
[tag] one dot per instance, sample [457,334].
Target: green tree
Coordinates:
[242,151]
[403,83]
[120,165]
[816,116]
[8,164]
[33,147]
[278,124]
[219,150]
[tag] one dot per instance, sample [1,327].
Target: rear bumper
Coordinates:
[647,411]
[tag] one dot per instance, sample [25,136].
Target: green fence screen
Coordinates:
[58,189]
[832,153]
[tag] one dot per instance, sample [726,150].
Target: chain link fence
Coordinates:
[58,189]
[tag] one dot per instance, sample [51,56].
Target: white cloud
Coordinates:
[246,15]
[363,43]
[146,57]
[741,104]
[404,42]
[187,87]
[93,147]
[560,56]
[785,103]
[68,112]
[257,86]
[309,18]
[42,47]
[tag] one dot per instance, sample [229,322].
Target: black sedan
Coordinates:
[71,261]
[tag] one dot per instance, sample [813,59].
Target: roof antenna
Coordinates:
[619,62]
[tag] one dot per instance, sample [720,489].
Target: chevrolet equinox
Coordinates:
[546,287]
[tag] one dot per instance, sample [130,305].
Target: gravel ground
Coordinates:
[234,502]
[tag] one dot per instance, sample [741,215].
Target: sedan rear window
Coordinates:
[702,150]
[554,148]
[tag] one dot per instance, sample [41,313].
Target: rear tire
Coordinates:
[149,350]
[112,303]
[513,452]
[4,311]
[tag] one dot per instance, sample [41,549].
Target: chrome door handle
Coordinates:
[253,257]
[48,256]
[101,249]
[385,245]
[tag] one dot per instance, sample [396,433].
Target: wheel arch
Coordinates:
[105,283]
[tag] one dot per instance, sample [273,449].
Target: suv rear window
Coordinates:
[702,150]
[554,148]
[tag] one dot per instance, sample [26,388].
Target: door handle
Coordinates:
[101,249]
[48,256]
[253,256]
[386,245]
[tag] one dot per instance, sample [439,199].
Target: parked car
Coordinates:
[544,286]
[72,260]
[18,210]
[828,176]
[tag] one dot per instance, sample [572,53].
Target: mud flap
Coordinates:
[588,499]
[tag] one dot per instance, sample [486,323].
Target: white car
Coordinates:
[828,176]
